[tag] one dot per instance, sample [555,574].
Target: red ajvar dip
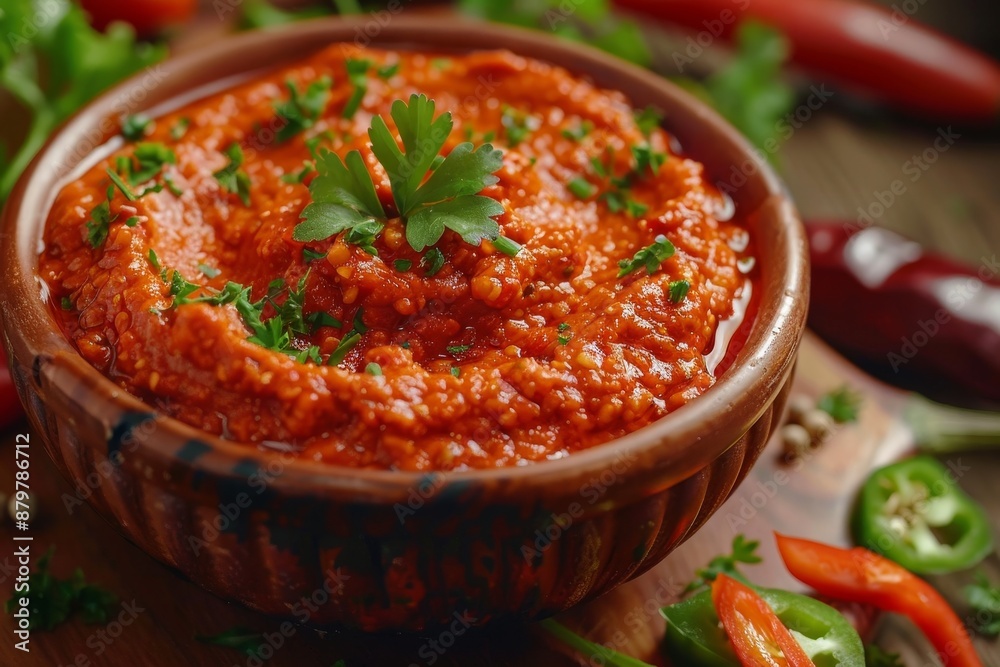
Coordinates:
[554,352]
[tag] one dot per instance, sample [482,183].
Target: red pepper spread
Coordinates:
[570,295]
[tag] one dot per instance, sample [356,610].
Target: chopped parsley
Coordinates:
[51,601]
[984,598]
[364,235]
[373,369]
[458,349]
[135,127]
[650,257]
[147,161]
[507,246]
[173,187]
[564,340]
[344,196]
[578,132]
[309,255]
[239,638]
[581,188]
[648,119]
[842,404]
[357,74]
[679,290]
[100,220]
[456,371]
[744,552]
[403,265]
[350,339]
[563,326]
[66,303]
[154,260]
[516,125]
[180,128]
[388,71]
[122,186]
[647,158]
[432,262]
[209,271]
[302,109]
[233,179]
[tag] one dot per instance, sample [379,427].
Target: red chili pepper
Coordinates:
[863,576]
[758,636]
[10,405]
[878,51]
[884,301]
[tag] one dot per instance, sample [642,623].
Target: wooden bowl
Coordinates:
[380,549]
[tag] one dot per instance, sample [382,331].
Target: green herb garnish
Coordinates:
[432,262]
[52,600]
[588,649]
[581,188]
[578,132]
[209,271]
[147,161]
[350,339]
[456,371]
[309,255]
[679,290]
[651,257]
[302,109]
[100,220]
[875,656]
[357,74]
[388,71]
[516,124]
[233,179]
[122,186]
[373,369]
[344,195]
[135,127]
[744,552]
[648,119]
[842,404]
[66,303]
[984,598]
[403,265]
[239,638]
[458,349]
[180,128]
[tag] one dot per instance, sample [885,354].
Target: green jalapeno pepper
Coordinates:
[914,513]
[695,636]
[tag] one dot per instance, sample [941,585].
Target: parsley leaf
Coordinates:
[147,161]
[648,119]
[744,551]
[875,656]
[578,132]
[402,265]
[749,91]
[302,109]
[373,369]
[581,188]
[134,127]
[984,599]
[239,638]
[100,220]
[357,74]
[432,262]
[51,601]
[180,128]
[516,124]
[350,339]
[344,196]
[679,290]
[842,404]
[660,250]
[58,66]
[233,179]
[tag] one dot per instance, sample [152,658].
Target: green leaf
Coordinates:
[302,109]
[984,598]
[233,179]
[660,250]
[321,221]
[239,638]
[744,551]
[135,127]
[357,74]
[373,369]
[581,188]
[465,171]
[471,217]
[843,404]
[679,290]
[346,183]
[432,262]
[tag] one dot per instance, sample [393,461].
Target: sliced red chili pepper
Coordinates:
[758,636]
[863,576]
[862,45]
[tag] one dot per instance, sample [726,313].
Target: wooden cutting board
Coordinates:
[164,612]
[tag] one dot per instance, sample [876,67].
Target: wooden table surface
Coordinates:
[838,161]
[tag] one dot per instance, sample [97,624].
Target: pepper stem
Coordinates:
[942,429]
